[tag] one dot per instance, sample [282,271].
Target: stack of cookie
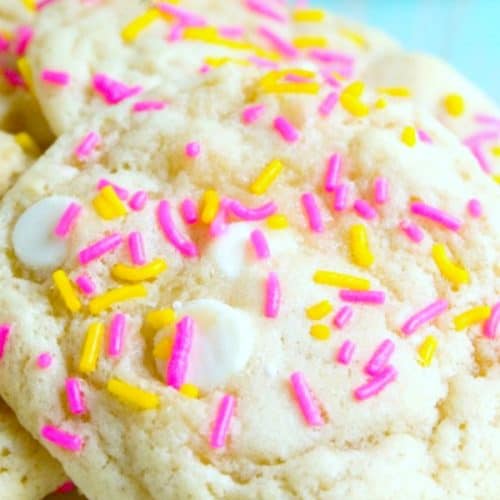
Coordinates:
[260,258]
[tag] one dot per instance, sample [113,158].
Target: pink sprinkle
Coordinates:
[87,146]
[346,352]
[44,360]
[76,403]
[4,44]
[184,16]
[373,297]
[329,79]
[66,487]
[193,149]
[116,335]
[41,4]
[219,224]
[341,192]
[182,244]
[329,57]
[411,230]
[281,45]
[142,106]
[381,190]
[122,193]
[376,384]
[343,317]
[5,330]
[178,363]
[309,407]
[480,137]
[273,296]
[61,438]
[313,213]
[426,315]
[488,120]
[234,32]
[220,430]
[59,78]
[490,327]
[24,35]
[138,201]
[67,220]
[205,68]
[263,63]
[136,248]
[295,78]
[176,32]
[380,358]
[286,129]
[262,7]
[435,214]
[189,211]
[113,91]
[424,136]
[96,250]
[478,153]
[365,210]
[333,171]
[252,214]
[252,113]
[328,104]
[260,245]
[475,208]
[85,284]
[13,77]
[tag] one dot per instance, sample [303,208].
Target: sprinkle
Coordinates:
[343,317]
[328,104]
[395,91]
[44,360]
[59,78]
[305,399]
[183,16]
[145,106]
[454,105]
[178,364]
[160,318]
[273,296]
[134,28]
[380,103]
[320,310]
[116,335]
[308,15]
[281,45]
[471,317]
[5,330]
[102,247]
[310,42]
[163,349]
[87,145]
[85,284]
[193,149]
[344,61]
[76,403]
[381,189]
[409,136]
[376,384]
[266,177]
[232,31]
[353,105]
[293,88]
[108,205]
[426,315]
[260,245]
[66,290]
[487,120]
[66,487]
[365,210]
[13,77]
[220,429]
[451,271]
[259,213]
[219,224]
[481,158]
[371,297]
[139,273]
[91,348]
[277,221]
[133,395]
[355,89]
[116,295]
[356,38]
[67,220]
[62,439]
[313,213]
[262,7]
[333,172]
[286,129]
[113,91]
[435,214]
[411,230]
[475,208]
[210,206]
[24,35]
[183,245]
[320,332]
[331,278]
[252,113]
[28,144]
[424,136]
[341,193]
[190,391]
[360,248]
[427,350]
[136,248]
[380,358]
[346,352]
[122,193]
[490,327]
[189,211]
[138,200]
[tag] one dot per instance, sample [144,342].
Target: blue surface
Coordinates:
[466,33]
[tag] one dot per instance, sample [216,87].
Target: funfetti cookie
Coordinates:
[456,102]
[13,161]
[300,305]
[88,55]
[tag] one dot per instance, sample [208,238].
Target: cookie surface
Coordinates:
[13,161]
[433,428]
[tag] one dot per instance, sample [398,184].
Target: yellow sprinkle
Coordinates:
[266,177]
[91,348]
[209,34]
[308,15]
[273,77]
[133,395]
[311,88]
[210,206]
[356,38]
[353,105]
[66,290]
[277,221]
[454,104]
[310,41]
[380,103]
[30,4]
[396,91]
[139,24]
[409,136]
[452,272]
[320,332]
[360,248]
[163,349]
[339,280]
[190,391]
[427,350]
[496,178]
[160,318]
[355,89]
[139,273]
[495,150]
[320,310]
[106,300]
[108,205]
[471,317]
[217,62]
[28,144]
[25,69]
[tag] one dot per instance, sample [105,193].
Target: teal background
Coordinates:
[466,33]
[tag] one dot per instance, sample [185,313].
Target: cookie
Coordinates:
[13,161]
[300,306]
